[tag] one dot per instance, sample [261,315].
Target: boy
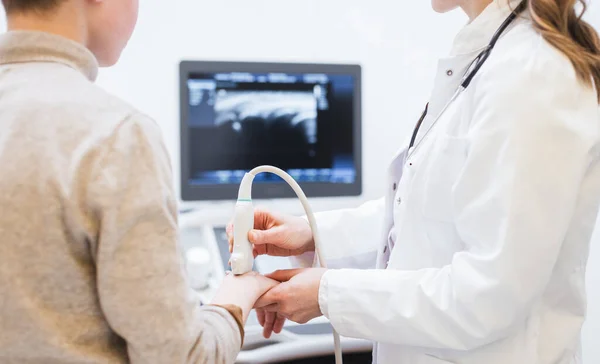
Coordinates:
[90,270]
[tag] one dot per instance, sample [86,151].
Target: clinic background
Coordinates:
[396,42]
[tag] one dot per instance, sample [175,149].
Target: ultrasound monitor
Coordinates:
[302,118]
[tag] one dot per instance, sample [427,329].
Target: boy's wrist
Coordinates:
[242,291]
[238,315]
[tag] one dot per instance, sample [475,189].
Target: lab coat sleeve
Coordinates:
[531,142]
[141,282]
[349,237]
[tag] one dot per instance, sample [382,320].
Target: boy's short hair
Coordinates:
[11,6]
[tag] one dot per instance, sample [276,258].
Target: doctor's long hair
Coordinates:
[562,26]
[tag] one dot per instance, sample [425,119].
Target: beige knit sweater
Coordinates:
[90,267]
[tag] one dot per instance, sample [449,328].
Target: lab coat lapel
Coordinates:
[468,44]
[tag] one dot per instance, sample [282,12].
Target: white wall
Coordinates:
[591,331]
[397,42]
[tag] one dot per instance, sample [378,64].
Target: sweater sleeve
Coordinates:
[141,281]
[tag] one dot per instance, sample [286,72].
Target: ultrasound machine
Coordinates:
[302,118]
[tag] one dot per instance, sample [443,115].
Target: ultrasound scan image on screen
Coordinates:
[301,123]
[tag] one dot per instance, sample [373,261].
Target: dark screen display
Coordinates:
[301,123]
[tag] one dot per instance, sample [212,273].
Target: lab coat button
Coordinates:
[399,200]
[394,187]
[449,72]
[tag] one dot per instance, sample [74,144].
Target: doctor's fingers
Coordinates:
[267,302]
[260,316]
[271,250]
[263,220]
[229,232]
[285,275]
[279,322]
[276,236]
[264,248]
[270,318]
[272,308]
[273,324]
[270,300]
[282,300]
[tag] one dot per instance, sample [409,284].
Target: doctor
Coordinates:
[478,250]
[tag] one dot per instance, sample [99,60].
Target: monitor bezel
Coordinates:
[196,193]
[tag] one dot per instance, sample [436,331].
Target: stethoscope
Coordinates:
[472,71]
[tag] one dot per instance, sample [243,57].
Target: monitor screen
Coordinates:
[303,119]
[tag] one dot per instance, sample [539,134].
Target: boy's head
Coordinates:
[103,26]
[12,6]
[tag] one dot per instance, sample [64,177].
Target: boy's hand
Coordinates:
[243,290]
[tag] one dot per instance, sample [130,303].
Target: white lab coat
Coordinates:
[491,217]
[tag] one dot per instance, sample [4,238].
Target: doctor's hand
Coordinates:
[296,298]
[270,321]
[277,234]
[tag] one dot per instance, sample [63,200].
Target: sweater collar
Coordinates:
[32,46]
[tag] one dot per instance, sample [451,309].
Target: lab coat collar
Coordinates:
[477,34]
[33,46]
[468,43]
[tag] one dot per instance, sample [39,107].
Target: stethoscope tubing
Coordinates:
[470,74]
